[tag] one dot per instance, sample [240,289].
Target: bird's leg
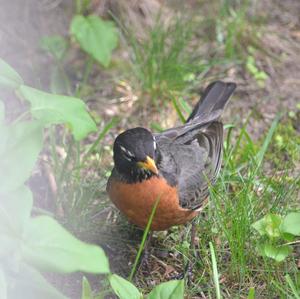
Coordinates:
[189,266]
[146,252]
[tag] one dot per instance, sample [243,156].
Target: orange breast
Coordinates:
[136,202]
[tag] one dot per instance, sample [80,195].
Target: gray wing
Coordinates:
[191,160]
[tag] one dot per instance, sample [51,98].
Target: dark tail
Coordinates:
[212,101]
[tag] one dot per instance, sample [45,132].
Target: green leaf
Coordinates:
[29,283]
[269,225]
[20,145]
[15,209]
[288,237]
[291,224]
[277,253]
[55,45]
[86,289]
[95,36]
[50,247]
[2,112]
[123,288]
[8,76]
[58,109]
[173,289]
[3,285]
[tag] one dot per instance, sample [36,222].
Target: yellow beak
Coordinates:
[148,164]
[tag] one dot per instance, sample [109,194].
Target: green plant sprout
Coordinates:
[278,235]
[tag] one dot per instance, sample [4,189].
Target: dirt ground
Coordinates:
[25,22]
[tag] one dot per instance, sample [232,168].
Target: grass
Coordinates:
[236,30]
[215,271]
[257,176]
[163,62]
[77,189]
[243,194]
[144,239]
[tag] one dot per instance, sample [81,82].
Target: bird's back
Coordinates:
[191,154]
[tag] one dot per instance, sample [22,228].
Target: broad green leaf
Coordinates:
[123,288]
[173,289]
[2,113]
[55,45]
[86,289]
[288,237]
[95,36]
[29,283]
[58,109]
[291,224]
[49,246]
[15,209]
[269,225]
[8,76]
[20,145]
[277,253]
[3,285]
[9,244]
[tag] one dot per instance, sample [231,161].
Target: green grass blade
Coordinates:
[101,135]
[178,110]
[251,294]
[146,231]
[215,271]
[260,155]
[292,286]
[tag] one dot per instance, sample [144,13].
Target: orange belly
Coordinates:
[136,202]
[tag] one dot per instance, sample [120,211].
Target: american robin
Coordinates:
[175,167]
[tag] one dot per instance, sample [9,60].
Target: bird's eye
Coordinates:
[127,154]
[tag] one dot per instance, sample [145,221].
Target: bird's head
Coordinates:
[135,154]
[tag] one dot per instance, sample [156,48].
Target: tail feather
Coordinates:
[213,100]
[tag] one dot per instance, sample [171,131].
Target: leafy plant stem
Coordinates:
[87,72]
[146,231]
[291,243]
[63,169]
[65,77]
[78,160]
[78,6]
[21,117]
[53,147]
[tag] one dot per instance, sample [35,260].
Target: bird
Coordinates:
[175,167]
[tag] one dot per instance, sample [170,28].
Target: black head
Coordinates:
[134,154]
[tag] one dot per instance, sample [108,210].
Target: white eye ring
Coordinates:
[154,143]
[127,152]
